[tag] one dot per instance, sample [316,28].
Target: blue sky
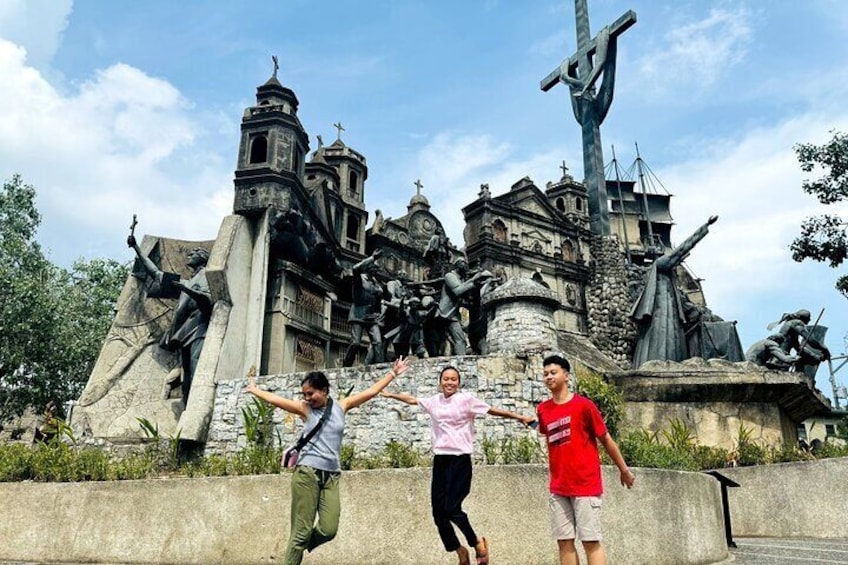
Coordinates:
[115,108]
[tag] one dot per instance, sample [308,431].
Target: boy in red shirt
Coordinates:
[573,426]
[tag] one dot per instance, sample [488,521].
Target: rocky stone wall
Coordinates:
[502,381]
[608,302]
[521,321]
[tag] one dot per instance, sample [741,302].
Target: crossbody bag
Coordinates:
[291,454]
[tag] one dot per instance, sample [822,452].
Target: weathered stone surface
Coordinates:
[501,381]
[521,317]
[716,397]
[788,500]
[245,520]
[608,301]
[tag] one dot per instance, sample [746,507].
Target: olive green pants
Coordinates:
[312,492]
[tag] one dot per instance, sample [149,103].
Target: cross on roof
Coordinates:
[418,186]
[338,126]
[564,168]
[276,65]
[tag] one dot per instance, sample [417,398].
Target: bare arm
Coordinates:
[402,396]
[400,366]
[507,414]
[627,477]
[776,351]
[293,406]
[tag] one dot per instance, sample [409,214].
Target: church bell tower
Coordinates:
[271,152]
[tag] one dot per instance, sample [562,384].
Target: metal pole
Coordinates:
[644,197]
[621,206]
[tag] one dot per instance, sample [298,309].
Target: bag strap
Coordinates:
[305,439]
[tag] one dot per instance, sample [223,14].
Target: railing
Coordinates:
[302,314]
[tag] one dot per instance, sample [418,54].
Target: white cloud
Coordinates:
[35,25]
[105,151]
[699,53]
[754,184]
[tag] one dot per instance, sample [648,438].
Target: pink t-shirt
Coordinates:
[452,421]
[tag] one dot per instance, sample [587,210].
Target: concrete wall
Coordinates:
[806,499]
[668,518]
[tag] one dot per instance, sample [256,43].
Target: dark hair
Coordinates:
[450,368]
[317,380]
[557,360]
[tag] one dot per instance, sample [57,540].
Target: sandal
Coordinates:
[482,551]
[464,558]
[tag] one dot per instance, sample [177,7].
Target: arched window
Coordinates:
[560,204]
[499,231]
[568,252]
[352,227]
[352,183]
[259,149]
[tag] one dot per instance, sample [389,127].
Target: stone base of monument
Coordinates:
[717,399]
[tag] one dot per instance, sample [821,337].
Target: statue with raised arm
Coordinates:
[658,312]
[194,309]
[365,311]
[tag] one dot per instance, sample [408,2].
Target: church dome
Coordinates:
[419,200]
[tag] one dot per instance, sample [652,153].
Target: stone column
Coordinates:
[521,317]
[608,301]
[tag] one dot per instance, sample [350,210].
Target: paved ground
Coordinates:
[777,551]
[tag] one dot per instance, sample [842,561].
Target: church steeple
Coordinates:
[353,171]
[272,149]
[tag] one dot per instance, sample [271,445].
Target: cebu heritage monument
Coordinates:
[295,281]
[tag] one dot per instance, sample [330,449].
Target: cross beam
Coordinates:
[620,25]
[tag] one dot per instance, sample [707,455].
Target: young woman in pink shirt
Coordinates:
[452,416]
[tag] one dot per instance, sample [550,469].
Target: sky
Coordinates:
[118,108]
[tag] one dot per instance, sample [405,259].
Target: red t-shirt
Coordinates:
[572,430]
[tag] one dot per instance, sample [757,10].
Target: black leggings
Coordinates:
[450,485]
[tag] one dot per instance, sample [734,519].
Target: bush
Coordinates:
[512,451]
[605,396]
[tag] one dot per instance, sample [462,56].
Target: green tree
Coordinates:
[53,321]
[825,238]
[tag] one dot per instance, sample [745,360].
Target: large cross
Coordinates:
[338,126]
[418,186]
[580,72]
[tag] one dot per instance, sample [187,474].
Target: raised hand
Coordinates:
[400,366]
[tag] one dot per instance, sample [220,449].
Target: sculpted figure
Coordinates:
[455,288]
[799,338]
[658,312]
[437,253]
[293,236]
[191,316]
[768,353]
[478,318]
[365,311]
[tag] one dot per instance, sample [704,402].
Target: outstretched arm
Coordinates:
[402,396]
[400,366]
[526,420]
[293,406]
[149,265]
[627,477]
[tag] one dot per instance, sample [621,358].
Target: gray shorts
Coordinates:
[580,515]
